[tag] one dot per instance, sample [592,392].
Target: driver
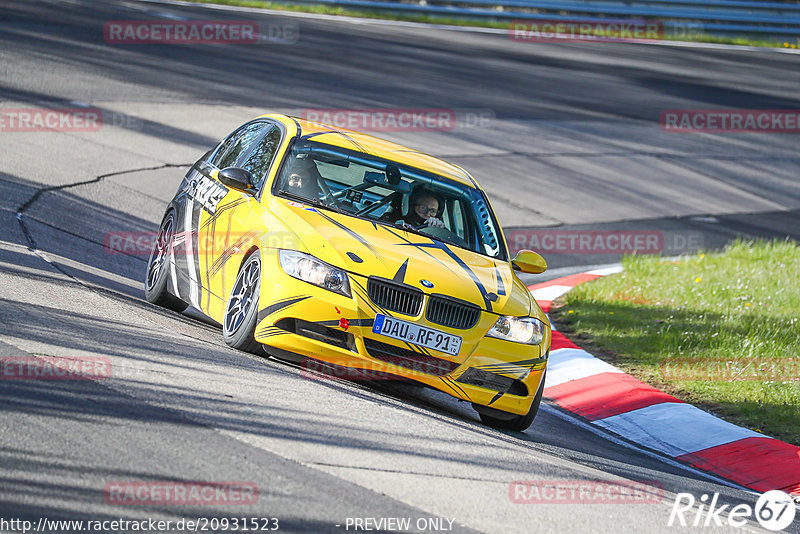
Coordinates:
[302,182]
[423,209]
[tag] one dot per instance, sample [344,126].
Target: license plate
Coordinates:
[416,334]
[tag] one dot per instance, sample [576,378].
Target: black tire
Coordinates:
[241,310]
[517,422]
[157,277]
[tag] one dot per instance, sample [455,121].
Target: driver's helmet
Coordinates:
[423,191]
[303,179]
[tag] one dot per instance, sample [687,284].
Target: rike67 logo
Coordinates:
[775,510]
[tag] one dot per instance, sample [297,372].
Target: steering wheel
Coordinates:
[328,197]
[443,234]
[426,225]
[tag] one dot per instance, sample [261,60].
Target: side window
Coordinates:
[258,160]
[446,219]
[238,143]
[458,219]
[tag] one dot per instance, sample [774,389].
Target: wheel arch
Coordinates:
[246,255]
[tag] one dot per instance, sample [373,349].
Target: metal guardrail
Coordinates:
[762,19]
[749,4]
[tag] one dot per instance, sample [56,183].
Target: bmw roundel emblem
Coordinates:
[426,283]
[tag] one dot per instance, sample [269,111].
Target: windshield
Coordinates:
[361,185]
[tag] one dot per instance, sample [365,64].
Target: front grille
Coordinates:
[409,358]
[395,297]
[450,312]
[484,379]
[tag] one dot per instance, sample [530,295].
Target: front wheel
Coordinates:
[516,422]
[155,286]
[241,311]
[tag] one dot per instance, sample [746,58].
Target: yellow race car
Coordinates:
[311,242]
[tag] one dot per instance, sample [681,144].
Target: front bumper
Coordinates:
[300,318]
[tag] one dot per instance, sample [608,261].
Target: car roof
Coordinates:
[360,142]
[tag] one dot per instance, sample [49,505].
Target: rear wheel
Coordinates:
[516,422]
[155,285]
[241,311]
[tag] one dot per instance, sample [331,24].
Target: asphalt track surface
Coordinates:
[573,142]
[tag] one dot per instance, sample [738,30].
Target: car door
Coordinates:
[202,201]
[239,219]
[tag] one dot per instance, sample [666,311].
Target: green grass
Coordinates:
[325,9]
[718,330]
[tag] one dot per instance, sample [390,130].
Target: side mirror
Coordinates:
[237,178]
[527,261]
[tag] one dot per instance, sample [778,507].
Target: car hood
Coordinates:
[365,248]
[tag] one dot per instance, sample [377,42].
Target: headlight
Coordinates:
[314,271]
[528,330]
